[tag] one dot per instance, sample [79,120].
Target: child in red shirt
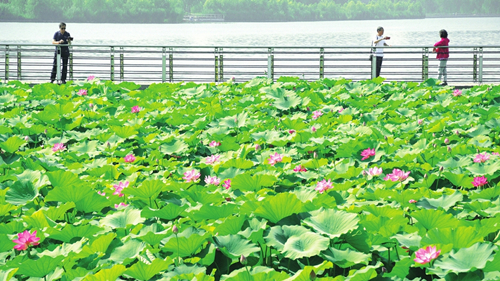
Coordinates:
[442,55]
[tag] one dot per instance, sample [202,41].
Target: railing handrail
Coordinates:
[252,47]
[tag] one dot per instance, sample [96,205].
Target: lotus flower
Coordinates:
[397,175]
[317,114]
[273,159]
[457,93]
[257,147]
[58,147]
[375,171]
[175,230]
[212,180]
[82,92]
[425,255]
[101,193]
[227,184]
[480,181]
[340,110]
[129,158]
[212,159]
[367,153]
[191,175]
[120,205]
[25,239]
[90,78]
[214,143]
[291,131]
[495,153]
[420,121]
[481,158]
[411,201]
[299,168]
[313,129]
[323,185]
[119,187]
[446,141]
[135,109]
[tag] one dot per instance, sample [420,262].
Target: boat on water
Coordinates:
[203,18]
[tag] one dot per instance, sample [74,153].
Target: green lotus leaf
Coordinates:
[480,130]
[84,197]
[401,269]
[481,169]
[306,245]
[40,267]
[69,232]
[63,178]
[122,219]
[34,177]
[257,273]
[408,240]
[280,206]
[169,212]
[305,273]
[21,192]
[429,219]
[187,272]
[238,163]
[124,132]
[185,246]
[107,274]
[207,212]
[459,180]
[254,230]
[12,144]
[109,172]
[6,243]
[128,251]
[6,208]
[445,201]
[148,189]
[233,246]
[331,222]
[460,237]
[152,238]
[277,236]
[231,225]
[467,259]
[493,265]
[345,258]
[174,147]
[85,148]
[142,271]
[287,102]
[6,275]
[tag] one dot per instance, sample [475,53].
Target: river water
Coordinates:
[420,32]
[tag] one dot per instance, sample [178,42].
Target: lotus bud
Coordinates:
[385,137]
[108,144]
[361,115]
[91,105]
[434,145]
[364,123]
[257,147]
[45,131]
[363,173]
[420,121]
[425,176]
[312,275]
[313,129]
[315,155]
[308,109]
[26,138]
[175,230]
[430,96]
[433,135]
[449,149]
[441,168]
[446,141]
[384,270]
[243,260]
[457,132]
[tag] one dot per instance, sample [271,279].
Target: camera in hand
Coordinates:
[70,38]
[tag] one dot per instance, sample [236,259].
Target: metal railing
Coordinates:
[155,64]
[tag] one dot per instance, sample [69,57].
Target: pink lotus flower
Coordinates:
[457,93]
[420,121]
[214,143]
[397,175]
[120,205]
[58,147]
[257,147]
[212,180]
[299,168]
[481,158]
[102,193]
[82,92]
[135,109]
[227,184]
[273,159]
[412,201]
[340,110]
[480,181]
[323,185]
[90,78]
[129,158]
[317,114]
[191,175]
[375,171]
[495,153]
[367,153]
[313,129]
[25,239]
[212,159]
[291,131]
[425,255]
[119,187]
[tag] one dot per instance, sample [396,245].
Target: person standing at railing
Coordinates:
[61,37]
[442,55]
[379,52]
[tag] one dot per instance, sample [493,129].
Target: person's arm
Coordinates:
[56,42]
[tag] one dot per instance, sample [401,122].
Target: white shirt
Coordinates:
[379,52]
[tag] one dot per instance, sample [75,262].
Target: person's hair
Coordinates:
[62,24]
[380,28]
[443,33]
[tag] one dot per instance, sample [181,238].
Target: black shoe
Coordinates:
[443,84]
[52,81]
[63,82]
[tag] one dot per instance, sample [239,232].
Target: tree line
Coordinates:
[172,11]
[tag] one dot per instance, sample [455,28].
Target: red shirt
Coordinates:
[442,53]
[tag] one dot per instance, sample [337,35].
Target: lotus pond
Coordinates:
[262,180]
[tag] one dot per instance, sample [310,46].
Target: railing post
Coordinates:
[58,63]
[425,64]
[171,65]
[374,64]
[474,66]
[112,70]
[270,63]
[216,64]
[7,63]
[70,62]
[321,63]
[122,64]
[19,63]
[221,64]
[163,64]
[481,65]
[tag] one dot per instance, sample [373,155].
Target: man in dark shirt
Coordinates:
[61,37]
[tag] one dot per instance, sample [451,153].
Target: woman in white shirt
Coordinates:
[379,52]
